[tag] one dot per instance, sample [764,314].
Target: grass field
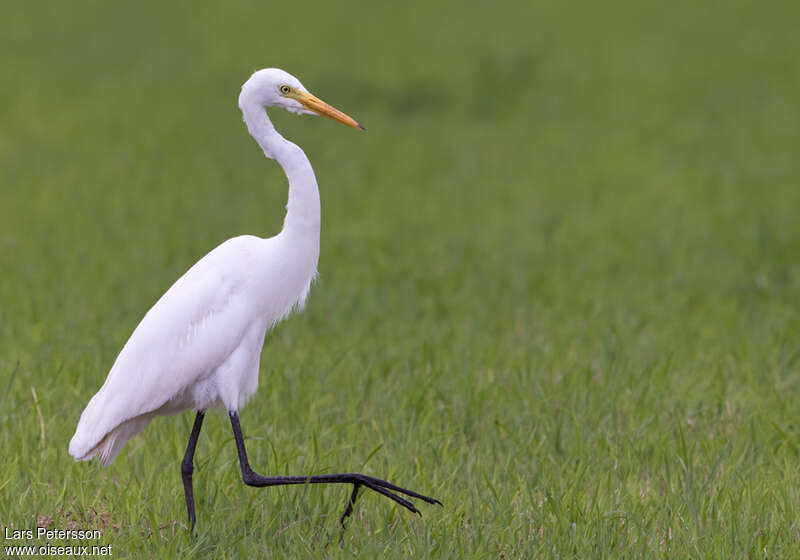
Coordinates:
[559,278]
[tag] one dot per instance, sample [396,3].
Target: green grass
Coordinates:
[559,282]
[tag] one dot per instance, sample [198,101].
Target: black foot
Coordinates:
[350,503]
[358,480]
[380,486]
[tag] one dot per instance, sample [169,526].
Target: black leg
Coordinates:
[357,480]
[187,467]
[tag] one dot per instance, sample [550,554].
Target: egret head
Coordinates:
[272,87]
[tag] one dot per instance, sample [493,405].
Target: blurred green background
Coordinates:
[559,277]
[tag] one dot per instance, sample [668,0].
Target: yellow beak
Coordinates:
[317,105]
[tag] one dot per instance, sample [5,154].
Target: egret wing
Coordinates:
[182,339]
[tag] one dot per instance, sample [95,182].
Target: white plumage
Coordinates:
[199,346]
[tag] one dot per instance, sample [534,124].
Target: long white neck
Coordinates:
[302,209]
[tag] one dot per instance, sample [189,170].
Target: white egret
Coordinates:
[199,346]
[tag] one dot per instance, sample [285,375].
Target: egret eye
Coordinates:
[285,90]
